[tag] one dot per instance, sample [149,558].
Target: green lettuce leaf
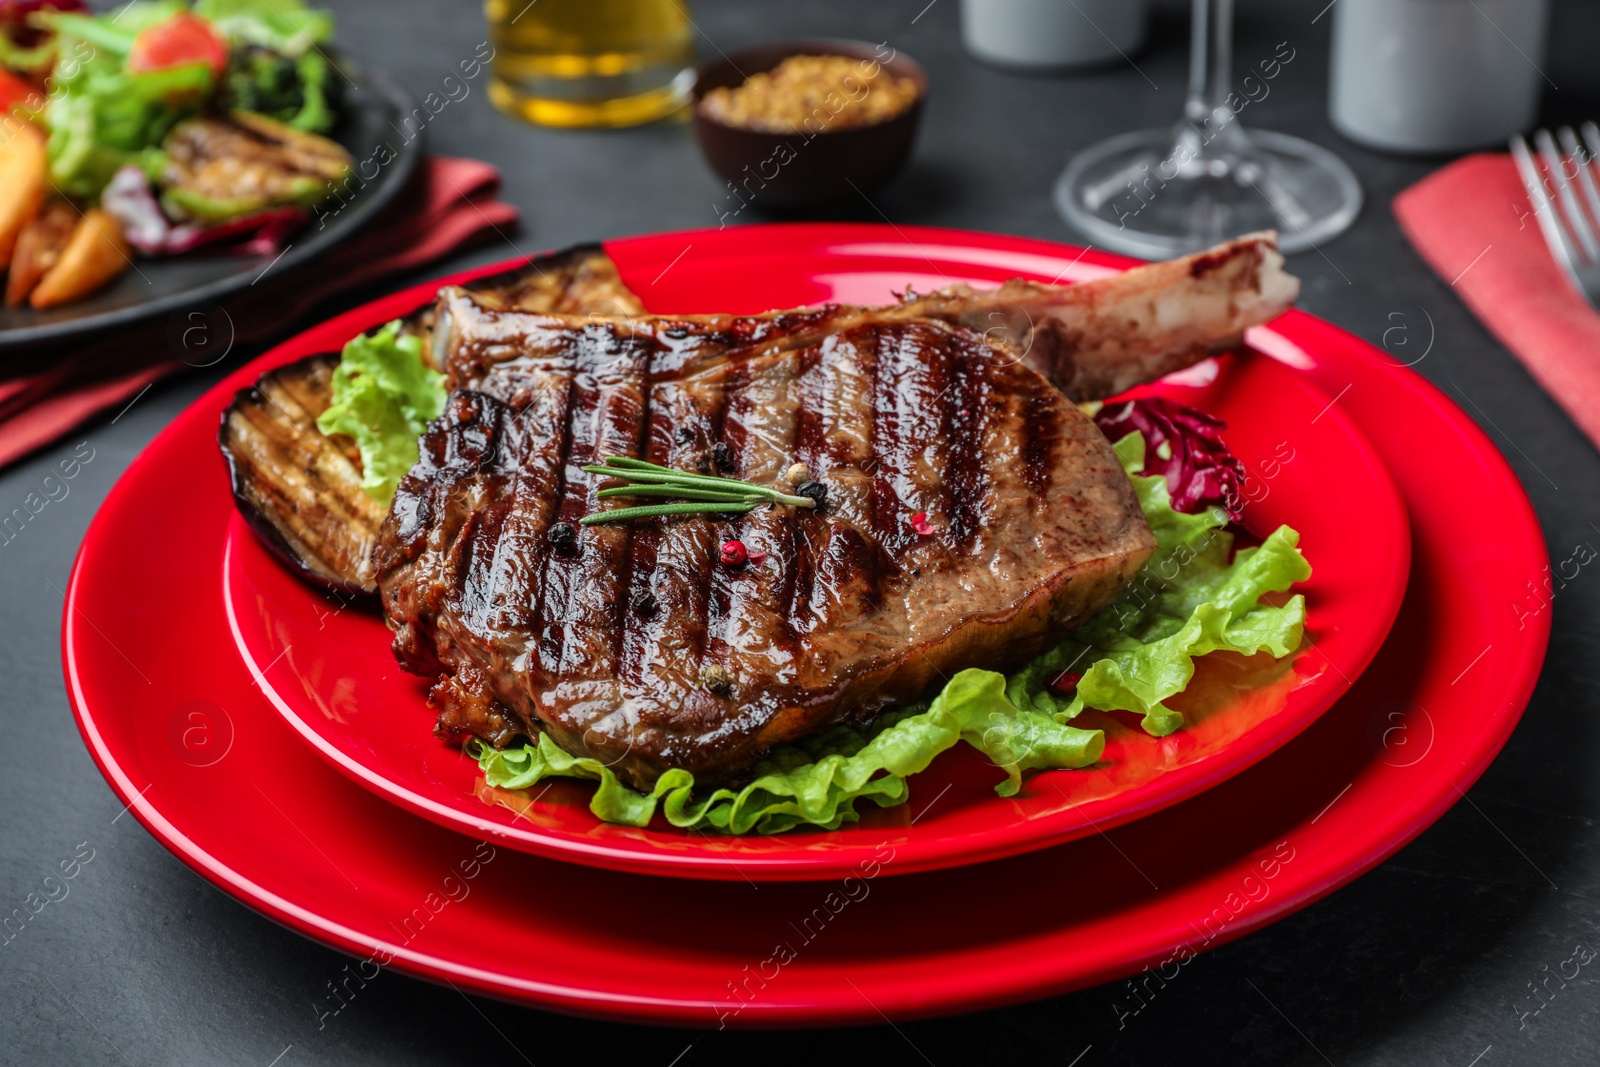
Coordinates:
[101,117]
[1189,599]
[384,396]
[285,26]
[1194,596]
[818,780]
[113,33]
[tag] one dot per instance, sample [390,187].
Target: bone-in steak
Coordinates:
[632,642]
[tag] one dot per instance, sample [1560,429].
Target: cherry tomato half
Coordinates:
[182,40]
[15,92]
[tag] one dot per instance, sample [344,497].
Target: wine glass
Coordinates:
[1163,193]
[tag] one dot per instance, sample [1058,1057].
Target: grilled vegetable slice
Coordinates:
[300,490]
[220,169]
[581,280]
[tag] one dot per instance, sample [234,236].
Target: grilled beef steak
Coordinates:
[631,642]
[1093,339]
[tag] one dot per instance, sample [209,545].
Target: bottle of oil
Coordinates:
[590,62]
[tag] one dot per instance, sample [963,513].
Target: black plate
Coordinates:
[375,110]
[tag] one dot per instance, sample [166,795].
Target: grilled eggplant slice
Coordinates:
[220,169]
[300,489]
[579,281]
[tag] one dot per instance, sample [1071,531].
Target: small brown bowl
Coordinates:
[804,168]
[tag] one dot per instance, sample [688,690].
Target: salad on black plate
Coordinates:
[156,129]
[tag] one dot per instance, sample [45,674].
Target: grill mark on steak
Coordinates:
[460,556]
[810,449]
[535,442]
[485,589]
[567,574]
[850,611]
[843,562]
[546,651]
[609,414]
[843,459]
[636,557]
[633,440]
[667,645]
[465,449]
[641,614]
[640,625]
[714,578]
[756,633]
[909,378]
[1040,445]
[967,481]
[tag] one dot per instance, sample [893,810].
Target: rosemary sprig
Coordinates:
[652,510]
[715,496]
[696,494]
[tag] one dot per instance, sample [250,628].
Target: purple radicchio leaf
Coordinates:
[1185,447]
[130,199]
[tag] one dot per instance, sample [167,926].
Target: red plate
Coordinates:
[178,728]
[329,670]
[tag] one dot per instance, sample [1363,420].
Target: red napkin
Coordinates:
[448,205]
[1473,223]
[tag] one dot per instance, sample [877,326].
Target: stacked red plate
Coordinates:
[265,735]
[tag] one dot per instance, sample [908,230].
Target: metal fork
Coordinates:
[1570,232]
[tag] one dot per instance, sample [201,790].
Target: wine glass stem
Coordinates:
[1210,60]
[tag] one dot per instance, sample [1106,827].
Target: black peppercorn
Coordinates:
[722,456]
[562,535]
[685,434]
[644,603]
[815,491]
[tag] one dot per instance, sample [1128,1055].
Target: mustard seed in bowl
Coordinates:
[797,124]
[812,94]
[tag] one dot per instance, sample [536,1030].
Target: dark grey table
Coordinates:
[1430,959]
